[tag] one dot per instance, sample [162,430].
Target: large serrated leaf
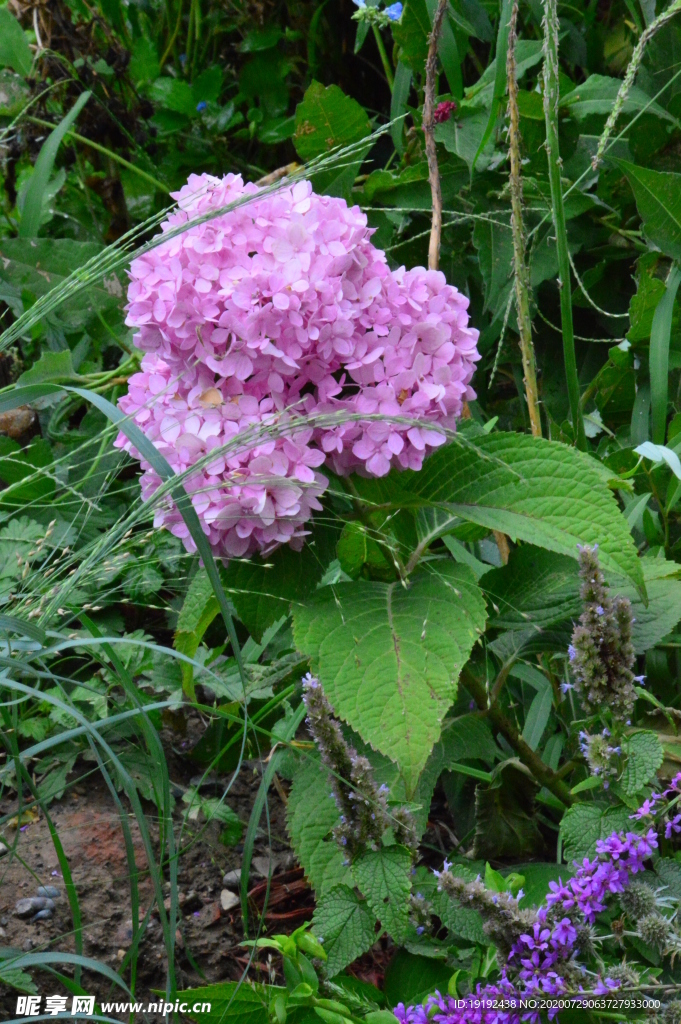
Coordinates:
[389,656]
[326,118]
[552,597]
[383,877]
[584,824]
[644,756]
[542,492]
[654,620]
[346,925]
[311,813]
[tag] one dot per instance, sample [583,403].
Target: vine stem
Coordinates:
[500,723]
[428,125]
[551,98]
[521,271]
[628,80]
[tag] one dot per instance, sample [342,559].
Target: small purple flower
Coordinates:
[672,826]
[394,12]
[201,105]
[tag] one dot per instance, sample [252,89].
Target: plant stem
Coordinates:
[521,272]
[428,125]
[171,42]
[551,97]
[500,723]
[384,57]
[106,152]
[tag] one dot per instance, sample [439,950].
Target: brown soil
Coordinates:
[208,938]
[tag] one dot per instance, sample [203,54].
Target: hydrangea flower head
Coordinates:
[261,319]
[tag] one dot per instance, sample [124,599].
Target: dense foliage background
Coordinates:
[113,635]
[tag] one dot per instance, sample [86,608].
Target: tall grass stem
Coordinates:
[429,132]
[520,268]
[551,99]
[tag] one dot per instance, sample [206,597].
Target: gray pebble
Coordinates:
[42,915]
[232,879]
[31,904]
[50,891]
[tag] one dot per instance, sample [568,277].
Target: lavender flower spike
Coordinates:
[601,653]
[361,803]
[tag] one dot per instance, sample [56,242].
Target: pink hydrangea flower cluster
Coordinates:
[264,317]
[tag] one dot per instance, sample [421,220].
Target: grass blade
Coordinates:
[256,813]
[660,336]
[33,202]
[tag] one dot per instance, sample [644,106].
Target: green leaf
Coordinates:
[584,824]
[644,756]
[17,979]
[144,66]
[263,589]
[383,878]
[660,336]
[528,53]
[463,134]
[448,52]
[398,103]
[50,366]
[389,656]
[658,618]
[346,925]
[409,978]
[534,490]
[658,199]
[669,873]
[505,820]
[357,548]
[553,596]
[494,243]
[598,93]
[467,737]
[311,813]
[199,609]
[14,49]
[36,266]
[173,94]
[17,464]
[32,211]
[411,35]
[231,1002]
[207,86]
[16,540]
[536,881]
[327,118]
[537,717]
